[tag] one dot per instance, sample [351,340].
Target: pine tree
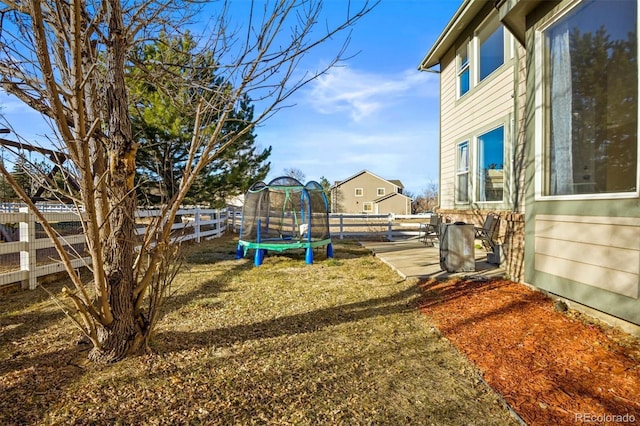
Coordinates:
[163,123]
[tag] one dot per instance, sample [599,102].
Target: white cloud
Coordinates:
[361,94]
[337,153]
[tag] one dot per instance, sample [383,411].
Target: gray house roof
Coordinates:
[395,182]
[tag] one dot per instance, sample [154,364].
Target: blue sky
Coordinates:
[375,112]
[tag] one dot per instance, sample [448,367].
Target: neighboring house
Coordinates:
[539,121]
[366,192]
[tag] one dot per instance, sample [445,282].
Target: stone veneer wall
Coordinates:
[511,235]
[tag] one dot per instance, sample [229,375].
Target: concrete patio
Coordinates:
[411,258]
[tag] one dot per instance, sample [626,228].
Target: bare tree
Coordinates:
[296,174]
[427,200]
[68,59]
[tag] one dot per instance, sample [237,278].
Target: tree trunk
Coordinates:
[126,333]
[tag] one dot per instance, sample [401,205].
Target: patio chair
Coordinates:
[488,233]
[430,232]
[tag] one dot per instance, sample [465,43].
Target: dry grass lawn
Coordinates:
[341,341]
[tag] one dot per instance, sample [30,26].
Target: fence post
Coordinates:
[390,227]
[341,226]
[222,216]
[196,224]
[28,252]
[233,219]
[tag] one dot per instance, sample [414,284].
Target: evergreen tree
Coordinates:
[326,187]
[163,124]
[7,194]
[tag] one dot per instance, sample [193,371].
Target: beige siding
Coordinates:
[397,205]
[447,145]
[602,252]
[484,106]
[344,193]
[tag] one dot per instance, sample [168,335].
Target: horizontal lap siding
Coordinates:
[447,141]
[602,252]
[485,104]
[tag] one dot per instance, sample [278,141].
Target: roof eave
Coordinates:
[513,14]
[462,18]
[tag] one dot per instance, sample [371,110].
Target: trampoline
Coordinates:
[284,215]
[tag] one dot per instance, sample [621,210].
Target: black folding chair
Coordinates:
[488,233]
[430,232]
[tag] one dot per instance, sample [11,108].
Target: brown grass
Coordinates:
[338,342]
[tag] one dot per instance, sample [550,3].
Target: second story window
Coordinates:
[359,192]
[464,73]
[478,57]
[380,192]
[490,48]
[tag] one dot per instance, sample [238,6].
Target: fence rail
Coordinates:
[388,226]
[345,225]
[27,253]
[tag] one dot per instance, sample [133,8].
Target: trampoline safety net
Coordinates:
[284,214]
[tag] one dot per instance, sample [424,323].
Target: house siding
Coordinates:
[486,106]
[590,250]
[500,99]
[584,250]
[398,204]
[344,199]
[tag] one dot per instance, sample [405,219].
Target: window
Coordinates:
[462,173]
[490,48]
[359,192]
[464,76]
[490,148]
[367,207]
[591,73]
[480,56]
[380,192]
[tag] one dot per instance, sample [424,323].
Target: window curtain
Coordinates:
[561,167]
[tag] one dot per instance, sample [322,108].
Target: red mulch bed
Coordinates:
[551,367]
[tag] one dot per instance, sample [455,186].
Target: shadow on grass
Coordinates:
[308,322]
[19,316]
[32,383]
[226,252]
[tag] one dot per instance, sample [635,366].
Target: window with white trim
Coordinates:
[462,173]
[380,192]
[359,192]
[480,56]
[367,207]
[491,47]
[464,70]
[490,165]
[589,74]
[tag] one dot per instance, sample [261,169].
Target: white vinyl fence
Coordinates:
[26,253]
[388,226]
[344,225]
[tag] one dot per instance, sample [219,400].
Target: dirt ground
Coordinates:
[551,366]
